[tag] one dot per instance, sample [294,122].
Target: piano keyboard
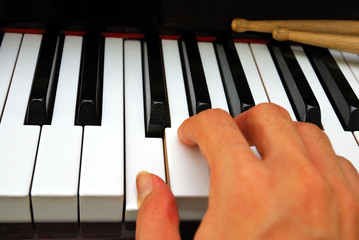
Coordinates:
[82,115]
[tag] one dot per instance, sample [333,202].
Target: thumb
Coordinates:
[157,217]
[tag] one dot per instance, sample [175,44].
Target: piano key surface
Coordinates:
[55,182]
[101,188]
[87,170]
[18,142]
[187,172]
[353,62]
[235,81]
[88,107]
[297,88]
[343,142]
[249,66]
[195,82]
[157,114]
[338,89]
[141,153]
[212,75]
[43,90]
[270,78]
[8,54]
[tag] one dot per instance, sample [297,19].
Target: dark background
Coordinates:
[185,14]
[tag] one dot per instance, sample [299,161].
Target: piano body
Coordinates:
[93,92]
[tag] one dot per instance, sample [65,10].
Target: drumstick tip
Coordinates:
[239,25]
[280,34]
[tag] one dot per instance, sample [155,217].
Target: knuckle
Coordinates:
[215,117]
[270,109]
[217,123]
[347,165]
[313,132]
[268,114]
[345,161]
[213,114]
[311,129]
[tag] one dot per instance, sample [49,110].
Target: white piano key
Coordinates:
[188,173]
[356,135]
[141,153]
[188,177]
[66,93]
[18,143]
[352,60]
[343,142]
[253,78]
[348,74]
[251,72]
[213,76]
[271,80]
[55,181]
[16,103]
[175,84]
[349,68]
[8,53]
[102,167]
[54,190]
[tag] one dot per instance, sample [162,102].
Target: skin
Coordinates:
[300,189]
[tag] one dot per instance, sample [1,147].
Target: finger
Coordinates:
[270,128]
[157,217]
[351,174]
[217,136]
[322,154]
[233,166]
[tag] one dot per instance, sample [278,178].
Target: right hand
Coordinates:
[300,189]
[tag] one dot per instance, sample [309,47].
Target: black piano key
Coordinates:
[338,90]
[42,96]
[195,81]
[301,96]
[157,116]
[238,93]
[89,97]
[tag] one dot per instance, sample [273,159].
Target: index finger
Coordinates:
[219,139]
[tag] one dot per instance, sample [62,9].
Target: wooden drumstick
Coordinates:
[333,41]
[346,27]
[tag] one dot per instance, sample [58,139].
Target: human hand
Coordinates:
[299,190]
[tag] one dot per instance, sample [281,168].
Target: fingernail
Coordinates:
[144,186]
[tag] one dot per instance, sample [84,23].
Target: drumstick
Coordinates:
[346,27]
[333,41]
